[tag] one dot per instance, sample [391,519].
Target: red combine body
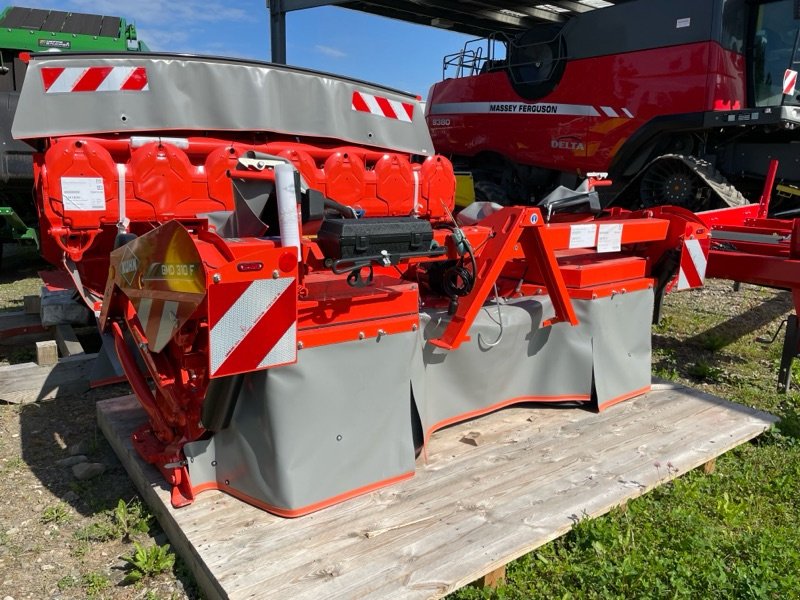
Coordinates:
[288,292]
[669,97]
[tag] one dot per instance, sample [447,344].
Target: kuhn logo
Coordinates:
[567,143]
[128,266]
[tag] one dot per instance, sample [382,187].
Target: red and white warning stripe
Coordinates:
[383,107]
[160,319]
[63,80]
[253,325]
[789,82]
[692,271]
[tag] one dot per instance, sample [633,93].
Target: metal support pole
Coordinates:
[277,29]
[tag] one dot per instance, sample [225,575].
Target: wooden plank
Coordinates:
[32,304]
[16,323]
[67,341]
[468,511]
[29,382]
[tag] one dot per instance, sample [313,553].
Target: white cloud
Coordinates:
[328,51]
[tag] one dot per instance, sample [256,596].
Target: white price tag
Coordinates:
[609,238]
[583,235]
[83,193]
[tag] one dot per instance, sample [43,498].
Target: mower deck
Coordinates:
[491,490]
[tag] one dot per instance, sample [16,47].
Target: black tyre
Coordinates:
[670,182]
[687,181]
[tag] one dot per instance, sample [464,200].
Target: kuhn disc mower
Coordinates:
[305,308]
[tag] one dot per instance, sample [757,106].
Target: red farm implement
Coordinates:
[749,247]
[290,296]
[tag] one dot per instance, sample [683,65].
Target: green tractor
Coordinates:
[35,30]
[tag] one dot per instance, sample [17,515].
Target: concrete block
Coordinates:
[61,307]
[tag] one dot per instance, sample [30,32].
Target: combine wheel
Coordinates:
[670,182]
[688,182]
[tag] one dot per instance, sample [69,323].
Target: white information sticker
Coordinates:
[583,235]
[681,23]
[83,193]
[609,238]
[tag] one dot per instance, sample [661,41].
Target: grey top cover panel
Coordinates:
[185,93]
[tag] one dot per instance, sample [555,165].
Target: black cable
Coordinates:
[457,281]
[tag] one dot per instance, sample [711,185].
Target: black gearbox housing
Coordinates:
[371,237]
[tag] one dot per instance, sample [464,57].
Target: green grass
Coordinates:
[731,534]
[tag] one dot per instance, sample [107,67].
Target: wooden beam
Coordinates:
[17,323]
[32,304]
[46,353]
[67,341]
[494,578]
[29,382]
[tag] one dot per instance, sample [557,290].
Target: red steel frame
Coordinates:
[749,247]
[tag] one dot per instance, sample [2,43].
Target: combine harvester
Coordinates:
[305,308]
[680,101]
[698,107]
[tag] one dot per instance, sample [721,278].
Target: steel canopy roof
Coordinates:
[471,17]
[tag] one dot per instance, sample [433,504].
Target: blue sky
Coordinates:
[393,53]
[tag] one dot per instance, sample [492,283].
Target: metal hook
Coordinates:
[500,320]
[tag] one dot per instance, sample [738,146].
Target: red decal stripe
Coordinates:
[91,79]
[136,81]
[263,336]
[409,109]
[222,297]
[359,104]
[387,109]
[49,76]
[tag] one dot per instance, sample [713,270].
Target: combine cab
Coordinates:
[680,102]
[289,294]
[24,30]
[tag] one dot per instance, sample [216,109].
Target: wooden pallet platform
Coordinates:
[492,490]
[62,366]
